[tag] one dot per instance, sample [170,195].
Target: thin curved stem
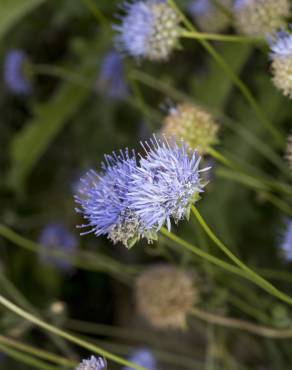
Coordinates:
[219,37]
[257,279]
[96,12]
[71,338]
[230,322]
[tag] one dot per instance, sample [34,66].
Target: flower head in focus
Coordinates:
[166,183]
[56,237]
[192,124]
[165,295]
[93,364]
[148,30]
[286,245]
[143,357]
[112,78]
[260,17]
[281,55]
[211,16]
[14,72]
[289,151]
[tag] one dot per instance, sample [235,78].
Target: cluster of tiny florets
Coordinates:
[288,154]
[93,364]
[260,17]
[143,357]
[149,29]
[192,124]
[14,72]
[130,199]
[281,56]
[211,16]
[165,295]
[57,237]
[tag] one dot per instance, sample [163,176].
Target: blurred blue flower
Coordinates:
[282,46]
[143,357]
[148,30]
[14,75]
[111,79]
[286,245]
[165,184]
[56,236]
[93,364]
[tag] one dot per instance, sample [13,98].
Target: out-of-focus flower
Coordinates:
[192,124]
[165,295]
[57,237]
[281,55]
[166,183]
[260,17]
[104,204]
[111,78]
[143,357]
[14,72]
[209,15]
[286,245]
[93,364]
[289,151]
[148,30]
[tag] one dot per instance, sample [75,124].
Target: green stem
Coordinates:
[257,279]
[92,7]
[219,37]
[71,338]
[236,80]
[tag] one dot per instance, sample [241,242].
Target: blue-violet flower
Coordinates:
[143,357]
[93,363]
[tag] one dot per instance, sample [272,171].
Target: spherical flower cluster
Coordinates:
[149,30]
[55,236]
[281,55]
[14,72]
[286,245]
[289,151]
[143,357]
[132,199]
[211,16]
[165,295]
[192,124]
[260,17]
[93,364]
[111,79]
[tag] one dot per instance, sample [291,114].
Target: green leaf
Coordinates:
[11,11]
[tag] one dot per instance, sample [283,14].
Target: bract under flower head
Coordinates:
[165,184]
[148,30]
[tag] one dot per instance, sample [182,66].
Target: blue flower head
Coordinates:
[149,30]
[286,245]
[14,74]
[56,236]
[281,55]
[112,77]
[104,204]
[93,363]
[165,184]
[143,357]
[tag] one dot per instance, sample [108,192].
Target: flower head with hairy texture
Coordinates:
[166,183]
[14,74]
[103,201]
[55,236]
[112,78]
[93,364]
[260,17]
[192,124]
[149,29]
[165,295]
[281,55]
[143,357]
[289,151]
[286,245]
[211,16]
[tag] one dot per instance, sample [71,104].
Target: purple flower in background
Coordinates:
[14,75]
[143,357]
[166,183]
[286,245]
[93,364]
[57,237]
[112,76]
